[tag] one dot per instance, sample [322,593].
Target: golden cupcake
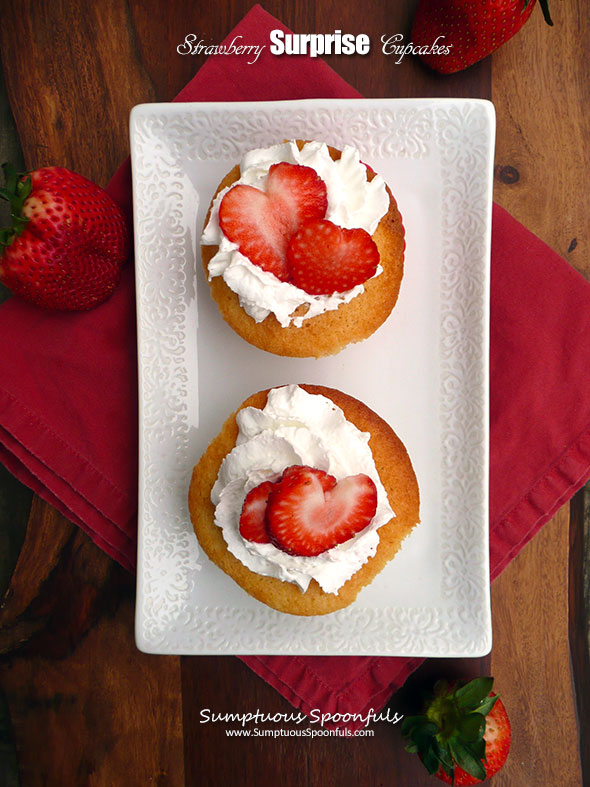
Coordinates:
[303,498]
[303,249]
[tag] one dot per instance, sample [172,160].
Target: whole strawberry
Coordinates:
[454,34]
[68,241]
[464,735]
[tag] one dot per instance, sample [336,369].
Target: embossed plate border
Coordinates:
[177,147]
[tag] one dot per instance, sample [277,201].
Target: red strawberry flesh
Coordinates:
[324,258]
[309,512]
[252,518]
[300,190]
[261,223]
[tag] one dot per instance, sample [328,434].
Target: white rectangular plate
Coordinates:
[425,371]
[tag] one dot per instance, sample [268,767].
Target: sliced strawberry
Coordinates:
[324,258]
[300,190]
[247,218]
[252,517]
[261,223]
[309,512]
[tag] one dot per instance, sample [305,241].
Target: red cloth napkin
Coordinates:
[68,392]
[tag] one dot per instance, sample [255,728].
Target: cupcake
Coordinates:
[303,498]
[303,249]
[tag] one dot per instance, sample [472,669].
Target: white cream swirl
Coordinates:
[353,202]
[296,427]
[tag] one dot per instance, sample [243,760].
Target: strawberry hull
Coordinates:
[464,734]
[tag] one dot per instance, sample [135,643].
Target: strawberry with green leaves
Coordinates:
[472,30]
[464,735]
[68,240]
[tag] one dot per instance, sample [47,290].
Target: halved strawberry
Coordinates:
[324,258]
[252,517]
[261,223]
[309,512]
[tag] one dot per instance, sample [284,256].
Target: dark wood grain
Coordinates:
[540,89]
[542,137]
[72,74]
[579,617]
[60,586]
[15,503]
[87,708]
[530,661]
[10,151]
[220,685]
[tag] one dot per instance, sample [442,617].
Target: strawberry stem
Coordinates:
[451,731]
[16,190]
[545,9]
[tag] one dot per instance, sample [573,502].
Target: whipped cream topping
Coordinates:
[353,202]
[296,428]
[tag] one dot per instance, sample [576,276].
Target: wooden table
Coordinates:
[86,707]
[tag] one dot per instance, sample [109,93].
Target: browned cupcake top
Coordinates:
[395,472]
[304,324]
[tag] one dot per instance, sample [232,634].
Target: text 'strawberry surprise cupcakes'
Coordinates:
[303,497]
[303,248]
